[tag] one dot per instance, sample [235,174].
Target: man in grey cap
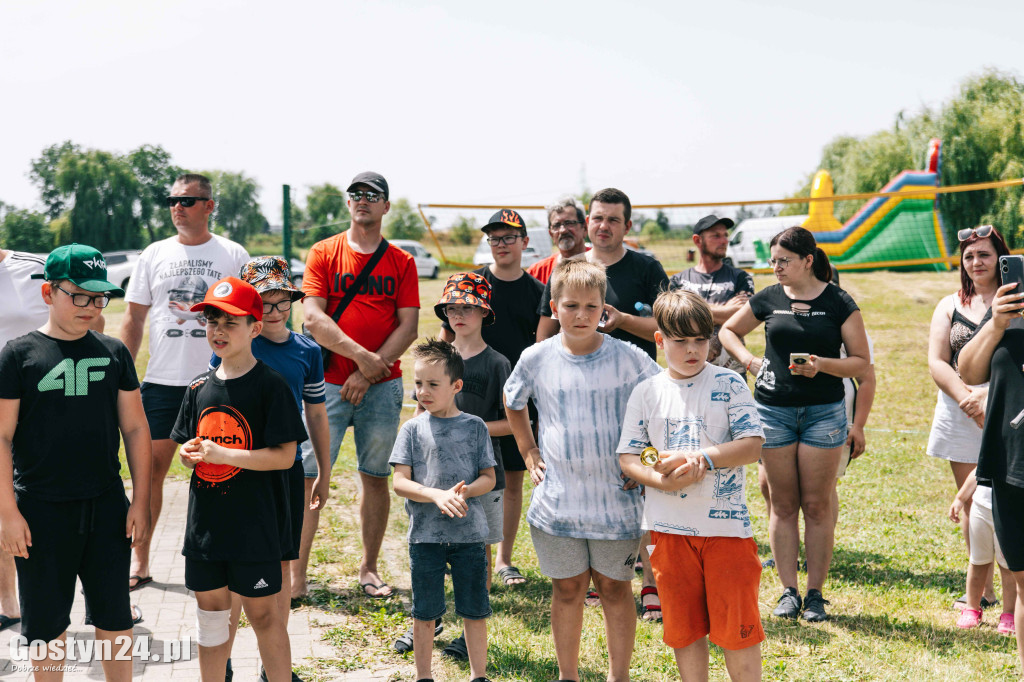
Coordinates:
[724,287]
[363,373]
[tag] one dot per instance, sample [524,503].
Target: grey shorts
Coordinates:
[494,508]
[561,558]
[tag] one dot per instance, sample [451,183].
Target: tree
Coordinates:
[104,195]
[44,175]
[155,172]
[238,210]
[327,211]
[464,231]
[25,231]
[402,222]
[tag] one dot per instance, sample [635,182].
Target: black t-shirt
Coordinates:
[237,514]
[794,326]
[482,383]
[515,314]
[635,278]
[715,287]
[1002,446]
[67,438]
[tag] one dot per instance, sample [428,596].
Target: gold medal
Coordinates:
[649,456]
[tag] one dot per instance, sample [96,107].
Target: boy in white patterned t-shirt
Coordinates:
[703,422]
[584,519]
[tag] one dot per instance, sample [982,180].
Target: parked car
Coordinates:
[748,243]
[120,266]
[426,265]
[539,248]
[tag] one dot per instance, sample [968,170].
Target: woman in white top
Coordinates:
[960,409]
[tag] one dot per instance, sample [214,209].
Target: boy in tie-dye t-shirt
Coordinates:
[584,516]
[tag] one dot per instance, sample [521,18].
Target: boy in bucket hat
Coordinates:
[63,512]
[465,305]
[297,358]
[239,426]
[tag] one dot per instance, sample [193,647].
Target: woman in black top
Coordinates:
[996,355]
[800,399]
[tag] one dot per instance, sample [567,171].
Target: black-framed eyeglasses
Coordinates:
[187,202]
[981,231]
[508,239]
[565,223]
[359,195]
[84,300]
[284,306]
[781,262]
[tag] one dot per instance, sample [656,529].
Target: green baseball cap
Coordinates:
[81,265]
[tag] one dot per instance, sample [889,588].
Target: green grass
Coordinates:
[898,562]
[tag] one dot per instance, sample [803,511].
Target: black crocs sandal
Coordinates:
[457,649]
[404,643]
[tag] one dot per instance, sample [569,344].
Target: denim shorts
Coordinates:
[468,561]
[375,421]
[820,426]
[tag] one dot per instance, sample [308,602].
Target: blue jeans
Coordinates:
[376,425]
[820,426]
[468,561]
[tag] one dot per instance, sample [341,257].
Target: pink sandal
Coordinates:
[1006,625]
[969,618]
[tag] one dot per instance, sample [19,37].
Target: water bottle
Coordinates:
[643,309]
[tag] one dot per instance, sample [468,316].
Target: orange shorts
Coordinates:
[708,586]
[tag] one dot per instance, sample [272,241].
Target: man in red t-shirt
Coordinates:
[567,225]
[364,384]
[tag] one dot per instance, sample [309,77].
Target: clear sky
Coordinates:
[492,102]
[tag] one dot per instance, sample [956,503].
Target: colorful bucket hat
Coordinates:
[270,273]
[466,288]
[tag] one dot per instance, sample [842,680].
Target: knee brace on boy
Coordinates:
[212,627]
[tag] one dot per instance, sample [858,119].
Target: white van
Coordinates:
[540,247]
[742,250]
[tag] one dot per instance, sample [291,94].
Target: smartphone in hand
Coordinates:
[799,359]
[1011,271]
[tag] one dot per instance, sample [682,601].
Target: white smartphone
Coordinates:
[799,359]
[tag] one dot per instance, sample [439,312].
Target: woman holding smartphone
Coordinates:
[801,404]
[960,408]
[996,355]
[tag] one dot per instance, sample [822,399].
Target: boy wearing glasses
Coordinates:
[239,427]
[63,510]
[296,358]
[171,276]
[515,299]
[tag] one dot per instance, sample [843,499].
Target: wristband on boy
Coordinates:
[707,457]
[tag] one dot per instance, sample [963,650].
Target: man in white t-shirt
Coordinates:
[170,276]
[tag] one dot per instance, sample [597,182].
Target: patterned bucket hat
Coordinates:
[466,288]
[270,273]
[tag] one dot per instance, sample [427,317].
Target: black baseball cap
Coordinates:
[709,221]
[506,217]
[372,180]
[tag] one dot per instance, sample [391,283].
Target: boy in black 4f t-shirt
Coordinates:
[65,392]
[239,426]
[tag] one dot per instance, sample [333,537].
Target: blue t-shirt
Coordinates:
[299,361]
[581,401]
[442,452]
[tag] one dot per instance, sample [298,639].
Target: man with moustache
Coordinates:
[567,225]
[724,287]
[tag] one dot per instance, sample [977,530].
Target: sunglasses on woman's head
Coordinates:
[968,232]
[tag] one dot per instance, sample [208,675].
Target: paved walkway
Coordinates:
[169,615]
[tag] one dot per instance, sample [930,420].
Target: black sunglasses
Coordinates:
[187,202]
[982,232]
[372,197]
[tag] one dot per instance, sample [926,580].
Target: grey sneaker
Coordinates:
[789,604]
[814,607]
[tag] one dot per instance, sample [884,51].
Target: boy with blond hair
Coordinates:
[585,522]
[702,421]
[443,462]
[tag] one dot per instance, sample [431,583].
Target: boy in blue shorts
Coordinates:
[298,359]
[239,426]
[584,521]
[65,394]
[443,463]
[702,420]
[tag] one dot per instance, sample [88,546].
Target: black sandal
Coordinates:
[457,649]
[404,643]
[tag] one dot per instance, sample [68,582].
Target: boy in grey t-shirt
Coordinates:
[443,463]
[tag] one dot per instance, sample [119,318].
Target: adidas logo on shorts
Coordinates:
[261,584]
